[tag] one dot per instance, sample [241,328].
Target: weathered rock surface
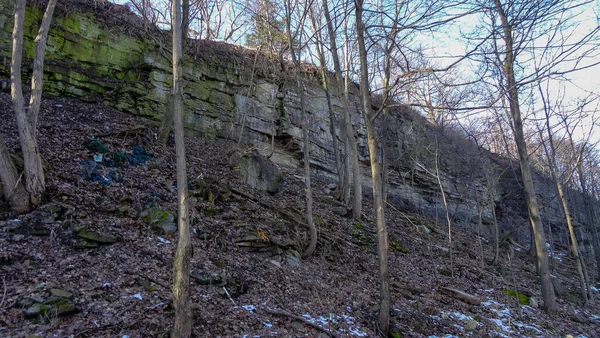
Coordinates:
[257,171]
[130,70]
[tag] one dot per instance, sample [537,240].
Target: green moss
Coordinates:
[523,299]
[357,225]
[155,215]
[209,211]
[395,245]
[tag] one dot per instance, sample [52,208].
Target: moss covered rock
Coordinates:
[162,222]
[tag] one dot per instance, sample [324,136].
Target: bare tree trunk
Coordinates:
[591,222]
[552,164]
[448,221]
[14,191]
[37,81]
[347,188]
[185,21]
[307,185]
[183,253]
[530,197]
[34,171]
[305,125]
[166,123]
[496,231]
[382,236]
[574,243]
[167,120]
[357,205]
[332,119]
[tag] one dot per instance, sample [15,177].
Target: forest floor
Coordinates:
[55,284]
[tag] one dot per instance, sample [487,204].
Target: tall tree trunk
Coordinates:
[14,191]
[166,122]
[550,152]
[574,245]
[382,236]
[496,229]
[332,119]
[37,81]
[305,126]
[307,185]
[530,197]
[357,205]
[183,253]
[185,21]
[591,222]
[34,171]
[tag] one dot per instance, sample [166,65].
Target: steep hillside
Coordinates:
[96,259]
[90,262]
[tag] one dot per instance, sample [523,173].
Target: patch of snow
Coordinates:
[163,241]
[249,307]
[516,248]
[459,316]
[595,288]
[137,296]
[106,285]
[267,324]
[458,327]
[60,106]
[353,329]
[522,327]
[155,306]
[501,325]
[595,318]
[488,290]
[16,220]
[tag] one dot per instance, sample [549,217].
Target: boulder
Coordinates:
[471,325]
[95,236]
[257,171]
[162,222]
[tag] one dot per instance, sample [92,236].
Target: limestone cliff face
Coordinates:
[102,53]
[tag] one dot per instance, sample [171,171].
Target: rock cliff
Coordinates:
[101,52]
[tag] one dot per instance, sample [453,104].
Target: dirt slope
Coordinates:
[123,289]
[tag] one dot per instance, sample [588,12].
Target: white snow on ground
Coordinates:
[325,322]
[353,329]
[507,326]
[249,307]
[524,327]
[455,316]
[459,316]
[137,296]
[163,241]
